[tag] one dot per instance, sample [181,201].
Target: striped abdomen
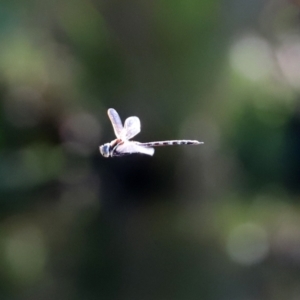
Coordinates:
[170,143]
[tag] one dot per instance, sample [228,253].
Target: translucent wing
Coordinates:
[115,121]
[131,147]
[131,128]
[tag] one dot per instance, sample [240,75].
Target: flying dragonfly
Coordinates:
[123,146]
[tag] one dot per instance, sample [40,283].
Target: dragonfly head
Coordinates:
[105,149]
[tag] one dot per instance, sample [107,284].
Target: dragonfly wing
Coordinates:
[131,147]
[115,121]
[132,127]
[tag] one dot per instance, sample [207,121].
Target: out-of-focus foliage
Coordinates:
[216,221]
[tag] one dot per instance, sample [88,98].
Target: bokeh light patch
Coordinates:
[248,244]
[288,56]
[251,56]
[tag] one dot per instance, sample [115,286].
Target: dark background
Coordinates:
[215,221]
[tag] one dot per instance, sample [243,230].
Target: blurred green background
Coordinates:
[215,221]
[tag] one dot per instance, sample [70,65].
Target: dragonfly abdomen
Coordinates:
[170,143]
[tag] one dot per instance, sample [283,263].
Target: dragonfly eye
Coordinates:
[104,150]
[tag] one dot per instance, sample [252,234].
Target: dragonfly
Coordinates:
[122,145]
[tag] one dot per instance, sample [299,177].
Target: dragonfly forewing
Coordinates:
[115,121]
